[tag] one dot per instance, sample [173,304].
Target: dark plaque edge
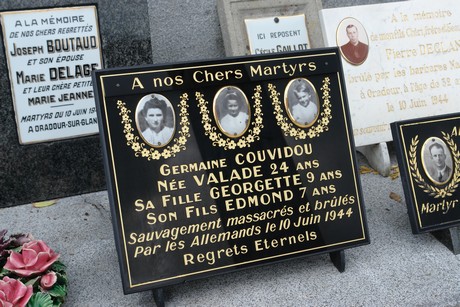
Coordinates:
[397,130]
[117,218]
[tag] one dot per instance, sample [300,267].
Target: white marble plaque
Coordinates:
[50,55]
[277,34]
[407,64]
[234,13]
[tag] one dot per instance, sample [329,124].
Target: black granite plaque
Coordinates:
[220,165]
[429,162]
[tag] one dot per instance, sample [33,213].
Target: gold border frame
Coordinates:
[140,148]
[339,45]
[123,242]
[415,172]
[230,143]
[425,169]
[409,159]
[246,102]
[168,105]
[288,110]
[300,133]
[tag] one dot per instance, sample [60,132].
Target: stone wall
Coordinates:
[61,168]
[133,32]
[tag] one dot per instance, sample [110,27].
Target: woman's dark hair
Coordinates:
[154,103]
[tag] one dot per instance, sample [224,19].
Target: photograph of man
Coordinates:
[155,120]
[231,111]
[354,51]
[437,161]
[301,101]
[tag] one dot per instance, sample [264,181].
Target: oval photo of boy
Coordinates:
[301,102]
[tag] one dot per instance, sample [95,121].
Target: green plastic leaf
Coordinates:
[58,291]
[40,300]
[17,249]
[58,267]
[4,272]
[61,279]
[32,281]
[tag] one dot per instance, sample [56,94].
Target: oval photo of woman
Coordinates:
[231,111]
[155,120]
[437,160]
[301,102]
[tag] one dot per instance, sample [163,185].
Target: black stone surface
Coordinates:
[57,169]
[206,202]
[432,204]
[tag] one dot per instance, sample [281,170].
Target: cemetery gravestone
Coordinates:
[410,65]
[50,55]
[210,167]
[429,159]
[59,168]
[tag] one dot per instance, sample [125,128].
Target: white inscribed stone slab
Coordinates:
[233,13]
[277,34]
[412,68]
[50,55]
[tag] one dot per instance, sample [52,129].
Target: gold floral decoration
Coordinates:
[143,150]
[415,172]
[298,133]
[217,138]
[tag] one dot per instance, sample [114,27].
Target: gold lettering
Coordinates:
[443,206]
[289,70]
[141,206]
[264,244]
[211,257]
[206,76]
[137,83]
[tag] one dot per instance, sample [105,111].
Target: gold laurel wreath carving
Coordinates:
[298,133]
[227,143]
[143,150]
[415,172]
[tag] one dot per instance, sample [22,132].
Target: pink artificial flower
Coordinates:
[20,239]
[48,280]
[14,293]
[4,242]
[35,257]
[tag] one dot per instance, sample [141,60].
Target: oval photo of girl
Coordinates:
[231,111]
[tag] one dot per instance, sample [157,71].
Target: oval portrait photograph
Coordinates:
[231,111]
[353,41]
[437,160]
[155,120]
[301,102]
